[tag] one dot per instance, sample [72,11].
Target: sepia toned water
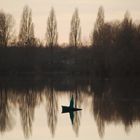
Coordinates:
[31,109]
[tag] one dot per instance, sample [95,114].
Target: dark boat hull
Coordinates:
[66,109]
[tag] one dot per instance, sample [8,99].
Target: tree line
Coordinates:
[104,33]
[26,36]
[114,49]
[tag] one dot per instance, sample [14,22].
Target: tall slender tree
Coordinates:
[99,24]
[75,33]
[127,29]
[26,34]
[6,28]
[51,33]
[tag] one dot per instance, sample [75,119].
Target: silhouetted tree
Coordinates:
[6,28]
[75,33]
[51,33]
[26,34]
[126,31]
[97,33]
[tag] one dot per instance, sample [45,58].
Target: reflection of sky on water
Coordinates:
[86,128]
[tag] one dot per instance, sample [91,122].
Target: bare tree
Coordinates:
[97,33]
[26,34]
[6,28]
[75,33]
[51,33]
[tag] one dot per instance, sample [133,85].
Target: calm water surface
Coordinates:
[32,111]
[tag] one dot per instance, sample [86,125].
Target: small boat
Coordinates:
[70,108]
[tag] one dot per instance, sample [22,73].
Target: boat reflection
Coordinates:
[70,109]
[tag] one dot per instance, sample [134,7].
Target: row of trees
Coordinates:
[26,35]
[100,35]
[114,49]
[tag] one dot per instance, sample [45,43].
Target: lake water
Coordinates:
[31,109]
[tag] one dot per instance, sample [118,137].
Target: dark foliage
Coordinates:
[101,62]
[115,50]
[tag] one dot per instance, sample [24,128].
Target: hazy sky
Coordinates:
[114,9]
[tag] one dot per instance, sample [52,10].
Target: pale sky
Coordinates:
[114,9]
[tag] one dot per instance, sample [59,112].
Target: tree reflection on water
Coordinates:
[113,101]
[51,108]
[6,114]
